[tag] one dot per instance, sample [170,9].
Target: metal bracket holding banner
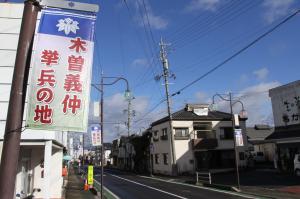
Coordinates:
[71,5]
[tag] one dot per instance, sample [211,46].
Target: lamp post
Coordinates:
[101,90]
[243,114]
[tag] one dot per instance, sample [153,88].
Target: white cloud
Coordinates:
[276,9]
[115,117]
[196,5]
[139,62]
[261,74]
[156,22]
[256,102]
[202,97]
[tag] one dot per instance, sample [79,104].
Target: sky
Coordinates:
[200,35]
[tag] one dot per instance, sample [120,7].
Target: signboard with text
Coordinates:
[61,71]
[96,136]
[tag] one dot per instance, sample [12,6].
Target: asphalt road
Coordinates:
[129,186]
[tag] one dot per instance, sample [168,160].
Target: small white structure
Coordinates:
[203,140]
[41,152]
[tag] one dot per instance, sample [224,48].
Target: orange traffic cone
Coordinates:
[86,186]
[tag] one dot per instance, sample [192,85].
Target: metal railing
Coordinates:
[205,176]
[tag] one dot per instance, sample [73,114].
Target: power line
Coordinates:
[153,40]
[212,26]
[195,21]
[238,52]
[150,111]
[151,62]
[223,47]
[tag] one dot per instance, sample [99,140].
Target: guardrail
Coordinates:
[203,175]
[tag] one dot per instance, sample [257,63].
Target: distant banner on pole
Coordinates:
[90,175]
[96,136]
[238,137]
[61,71]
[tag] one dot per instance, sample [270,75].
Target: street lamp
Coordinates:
[242,114]
[101,90]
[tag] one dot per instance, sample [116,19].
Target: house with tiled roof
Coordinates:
[202,140]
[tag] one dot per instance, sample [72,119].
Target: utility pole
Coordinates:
[164,60]
[12,136]
[234,143]
[101,125]
[129,115]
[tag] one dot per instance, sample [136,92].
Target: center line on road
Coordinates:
[149,187]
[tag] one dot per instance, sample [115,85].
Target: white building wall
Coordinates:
[160,147]
[183,148]
[56,179]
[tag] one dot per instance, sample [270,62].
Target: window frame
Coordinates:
[181,136]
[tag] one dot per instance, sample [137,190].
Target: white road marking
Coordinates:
[111,193]
[149,187]
[206,188]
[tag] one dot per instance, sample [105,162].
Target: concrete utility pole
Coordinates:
[12,136]
[164,60]
[102,128]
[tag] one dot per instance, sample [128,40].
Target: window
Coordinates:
[156,158]
[181,133]
[164,134]
[204,130]
[165,158]
[155,136]
[226,133]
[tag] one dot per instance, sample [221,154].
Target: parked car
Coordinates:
[297,164]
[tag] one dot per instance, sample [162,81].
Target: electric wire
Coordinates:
[145,51]
[237,53]
[223,48]
[191,38]
[198,21]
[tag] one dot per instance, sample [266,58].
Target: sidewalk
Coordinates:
[74,188]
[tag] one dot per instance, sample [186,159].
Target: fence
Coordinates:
[205,176]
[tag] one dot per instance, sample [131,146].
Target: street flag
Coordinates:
[61,71]
[96,136]
[238,137]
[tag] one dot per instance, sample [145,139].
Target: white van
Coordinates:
[297,164]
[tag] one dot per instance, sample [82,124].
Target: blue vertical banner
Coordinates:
[61,71]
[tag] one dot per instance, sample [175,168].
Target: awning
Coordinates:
[67,157]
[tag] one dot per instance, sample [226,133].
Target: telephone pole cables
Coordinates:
[166,75]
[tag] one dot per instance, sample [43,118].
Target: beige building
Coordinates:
[203,140]
[41,152]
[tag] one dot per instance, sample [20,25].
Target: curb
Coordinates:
[106,192]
